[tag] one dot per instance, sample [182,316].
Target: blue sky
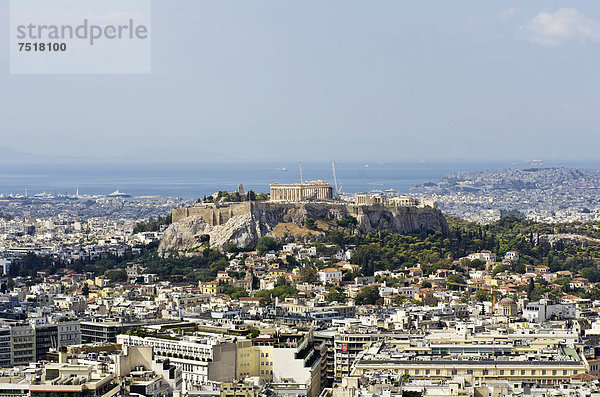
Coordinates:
[335,80]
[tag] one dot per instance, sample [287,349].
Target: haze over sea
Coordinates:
[197,180]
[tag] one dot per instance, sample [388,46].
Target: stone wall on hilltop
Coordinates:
[244,223]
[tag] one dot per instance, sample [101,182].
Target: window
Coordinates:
[553,372]
[533,372]
[417,372]
[501,372]
[485,372]
[427,372]
[543,372]
[564,371]
[512,371]
[437,371]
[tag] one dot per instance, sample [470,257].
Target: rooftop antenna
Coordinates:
[334,178]
[301,178]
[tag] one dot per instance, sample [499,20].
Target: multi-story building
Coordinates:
[301,366]
[222,359]
[210,288]
[69,333]
[329,274]
[546,309]
[5,266]
[73,380]
[104,332]
[528,358]
[535,372]
[46,337]
[23,345]
[193,354]
[327,338]
[5,347]
[347,347]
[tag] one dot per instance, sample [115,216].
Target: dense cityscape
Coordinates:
[299,198]
[95,301]
[541,194]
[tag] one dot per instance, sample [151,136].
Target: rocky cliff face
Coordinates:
[400,220]
[246,229]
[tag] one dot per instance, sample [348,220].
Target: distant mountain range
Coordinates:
[514,179]
[8,155]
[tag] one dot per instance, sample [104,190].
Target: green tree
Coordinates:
[482,296]
[349,222]
[498,269]
[266,244]
[152,225]
[368,296]
[591,273]
[399,299]
[337,237]
[233,292]
[455,278]
[253,332]
[530,288]
[368,257]
[117,275]
[336,296]
[310,223]
[292,262]
[309,275]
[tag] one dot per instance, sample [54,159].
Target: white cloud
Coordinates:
[565,24]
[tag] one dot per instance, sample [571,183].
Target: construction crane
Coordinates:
[492,289]
[335,178]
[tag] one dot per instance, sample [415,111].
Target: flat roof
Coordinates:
[472,362]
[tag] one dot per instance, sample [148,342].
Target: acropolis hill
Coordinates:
[244,223]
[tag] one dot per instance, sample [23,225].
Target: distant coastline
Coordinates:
[196,180]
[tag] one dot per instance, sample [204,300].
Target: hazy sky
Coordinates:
[329,80]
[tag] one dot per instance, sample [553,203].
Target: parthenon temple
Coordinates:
[313,190]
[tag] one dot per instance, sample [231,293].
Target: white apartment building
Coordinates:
[545,310]
[330,274]
[193,354]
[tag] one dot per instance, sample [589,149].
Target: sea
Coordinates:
[190,181]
